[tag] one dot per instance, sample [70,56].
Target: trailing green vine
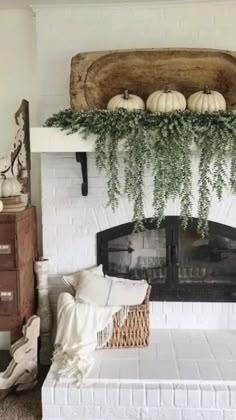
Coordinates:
[160,143]
[136,159]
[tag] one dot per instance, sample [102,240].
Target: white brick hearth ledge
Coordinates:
[182,375]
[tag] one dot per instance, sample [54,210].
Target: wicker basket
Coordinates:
[135,331]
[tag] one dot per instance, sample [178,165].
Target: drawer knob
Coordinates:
[6,296]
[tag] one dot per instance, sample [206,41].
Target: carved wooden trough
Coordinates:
[97,76]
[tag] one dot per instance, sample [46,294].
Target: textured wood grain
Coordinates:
[97,76]
[16,269]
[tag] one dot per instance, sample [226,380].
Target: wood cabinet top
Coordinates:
[17,216]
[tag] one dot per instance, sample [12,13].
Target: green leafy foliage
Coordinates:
[160,143]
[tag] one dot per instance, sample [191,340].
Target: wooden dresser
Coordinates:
[18,249]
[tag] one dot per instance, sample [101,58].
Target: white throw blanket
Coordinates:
[86,322]
[77,327]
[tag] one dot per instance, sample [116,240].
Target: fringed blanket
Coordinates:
[81,328]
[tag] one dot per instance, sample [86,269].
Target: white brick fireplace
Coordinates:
[188,371]
[198,387]
[63,31]
[71,222]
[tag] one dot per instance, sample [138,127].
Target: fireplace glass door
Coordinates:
[211,260]
[178,264]
[139,256]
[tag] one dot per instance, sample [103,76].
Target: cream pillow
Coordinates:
[127,292]
[72,279]
[92,288]
[109,291]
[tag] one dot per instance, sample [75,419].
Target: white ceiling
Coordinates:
[19,4]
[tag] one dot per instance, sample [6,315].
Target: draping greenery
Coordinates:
[161,143]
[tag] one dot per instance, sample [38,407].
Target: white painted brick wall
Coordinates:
[193,396]
[127,401]
[70,224]
[63,31]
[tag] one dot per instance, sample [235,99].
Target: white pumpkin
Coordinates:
[207,100]
[9,187]
[166,100]
[1,206]
[127,101]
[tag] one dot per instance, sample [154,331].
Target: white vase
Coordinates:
[41,269]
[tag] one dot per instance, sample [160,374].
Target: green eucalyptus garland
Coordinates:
[160,142]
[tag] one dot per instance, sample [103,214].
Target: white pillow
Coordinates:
[72,280]
[127,292]
[92,288]
[110,291]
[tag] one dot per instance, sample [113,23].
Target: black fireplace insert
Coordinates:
[179,264]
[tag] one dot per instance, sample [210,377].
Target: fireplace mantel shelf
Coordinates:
[52,139]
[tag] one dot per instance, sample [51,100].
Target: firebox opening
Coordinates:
[179,265]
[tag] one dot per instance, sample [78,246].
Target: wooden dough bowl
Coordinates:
[97,76]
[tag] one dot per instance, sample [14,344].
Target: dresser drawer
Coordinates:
[8,293]
[7,246]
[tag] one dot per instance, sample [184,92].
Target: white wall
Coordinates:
[64,31]
[17,70]
[17,81]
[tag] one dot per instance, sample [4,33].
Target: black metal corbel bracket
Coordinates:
[81,157]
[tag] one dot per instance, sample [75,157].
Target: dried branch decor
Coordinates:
[161,142]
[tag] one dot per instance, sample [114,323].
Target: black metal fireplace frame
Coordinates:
[172,290]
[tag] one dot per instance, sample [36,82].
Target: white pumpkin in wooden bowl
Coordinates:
[126,100]
[1,206]
[206,101]
[166,100]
